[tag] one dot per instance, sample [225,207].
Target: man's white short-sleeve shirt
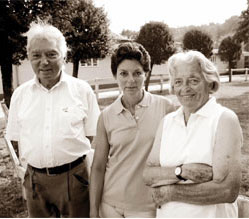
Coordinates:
[51,125]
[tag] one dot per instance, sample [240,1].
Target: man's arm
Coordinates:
[224,186]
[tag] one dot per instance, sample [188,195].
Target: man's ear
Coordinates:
[211,86]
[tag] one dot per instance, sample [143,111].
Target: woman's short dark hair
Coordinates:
[130,50]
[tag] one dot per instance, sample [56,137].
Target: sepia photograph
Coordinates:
[124,109]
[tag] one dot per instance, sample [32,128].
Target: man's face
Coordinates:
[46,60]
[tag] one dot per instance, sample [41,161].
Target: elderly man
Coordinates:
[53,118]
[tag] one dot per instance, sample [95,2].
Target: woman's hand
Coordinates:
[197,172]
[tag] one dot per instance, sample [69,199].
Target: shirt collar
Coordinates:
[145,102]
[207,108]
[36,82]
[203,111]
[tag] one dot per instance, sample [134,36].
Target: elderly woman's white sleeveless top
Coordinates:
[193,143]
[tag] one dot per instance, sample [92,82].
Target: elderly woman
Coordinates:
[125,135]
[194,165]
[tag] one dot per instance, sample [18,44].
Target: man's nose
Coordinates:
[44,59]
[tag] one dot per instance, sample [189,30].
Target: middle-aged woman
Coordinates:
[125,135]
[200,136]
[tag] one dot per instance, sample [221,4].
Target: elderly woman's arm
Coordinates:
[224,187]
[98,168]
[154,175]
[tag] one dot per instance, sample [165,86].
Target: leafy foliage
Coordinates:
[215,30]
[129,34]
[198,40]
[86,31]
[157,40]
[230,51]
[242,33]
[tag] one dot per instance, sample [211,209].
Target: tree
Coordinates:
[158,41]
[86,31]
[242,32]
[14,17]
[132,35]
[198,40]
[230,51]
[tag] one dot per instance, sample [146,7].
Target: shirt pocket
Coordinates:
[71,120]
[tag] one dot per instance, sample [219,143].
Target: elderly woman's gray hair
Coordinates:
[208,69]
[43,30]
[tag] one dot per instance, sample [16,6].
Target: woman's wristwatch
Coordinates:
[178,172]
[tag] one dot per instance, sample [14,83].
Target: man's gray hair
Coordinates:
[43,30]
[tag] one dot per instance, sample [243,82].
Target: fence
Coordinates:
[240,70]
[109,84]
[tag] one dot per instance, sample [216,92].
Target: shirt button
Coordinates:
[23,159]
[136,117]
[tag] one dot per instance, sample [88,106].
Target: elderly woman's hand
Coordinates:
[161,195]
[197,172]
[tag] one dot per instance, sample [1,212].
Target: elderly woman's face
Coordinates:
[190,87]
[130,76]
[46,60]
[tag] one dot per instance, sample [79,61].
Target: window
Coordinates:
[93,62]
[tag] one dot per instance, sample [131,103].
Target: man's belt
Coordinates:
[60,169]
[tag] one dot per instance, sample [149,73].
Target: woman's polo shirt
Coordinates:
[131,138]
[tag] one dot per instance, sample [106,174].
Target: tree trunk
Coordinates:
[147,81]
[75,68]
[230,71]
[6,69]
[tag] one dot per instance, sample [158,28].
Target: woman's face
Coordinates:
[190,87]
[130,77]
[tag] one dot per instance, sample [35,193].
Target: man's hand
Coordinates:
[197,172]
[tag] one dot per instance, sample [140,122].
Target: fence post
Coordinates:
[231,75]
[161,83]
[96,88]
[246,74]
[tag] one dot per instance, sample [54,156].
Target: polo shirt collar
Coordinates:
[203,111]
[145,102]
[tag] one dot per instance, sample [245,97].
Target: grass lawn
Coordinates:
[233,95]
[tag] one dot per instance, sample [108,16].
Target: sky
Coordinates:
[132,14]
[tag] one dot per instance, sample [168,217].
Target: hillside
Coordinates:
[216,31]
